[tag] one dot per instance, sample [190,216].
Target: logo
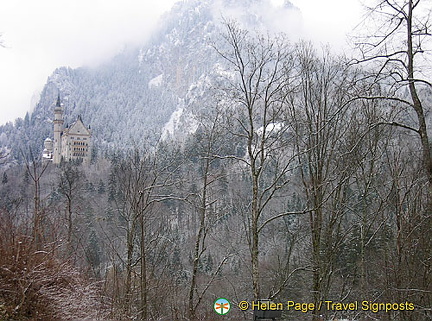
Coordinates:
[221,306]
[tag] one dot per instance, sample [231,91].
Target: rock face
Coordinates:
[147,92]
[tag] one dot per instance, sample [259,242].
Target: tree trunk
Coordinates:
[143,272]
[198,240]
[417,104]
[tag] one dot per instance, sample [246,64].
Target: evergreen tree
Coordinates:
[5,178]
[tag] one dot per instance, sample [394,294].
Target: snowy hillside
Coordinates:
[145,92]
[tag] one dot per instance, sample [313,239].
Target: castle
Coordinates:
[70,143]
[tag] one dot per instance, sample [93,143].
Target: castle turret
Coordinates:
[58,128]
[48,150]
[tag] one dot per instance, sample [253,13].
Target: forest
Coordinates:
[307,180]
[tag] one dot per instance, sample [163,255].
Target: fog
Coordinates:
[40,36]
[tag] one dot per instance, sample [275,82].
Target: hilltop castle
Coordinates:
[70,143]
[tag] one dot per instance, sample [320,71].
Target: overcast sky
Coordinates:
[42,35]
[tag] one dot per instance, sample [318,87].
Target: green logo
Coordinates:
[221,306]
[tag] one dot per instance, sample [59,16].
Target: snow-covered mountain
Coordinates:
[147,92]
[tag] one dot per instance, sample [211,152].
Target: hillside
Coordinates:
[144,92]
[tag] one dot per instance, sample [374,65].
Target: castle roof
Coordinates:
[58,104]
[78,128]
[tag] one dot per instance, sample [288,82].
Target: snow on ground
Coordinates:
[172,123]
[156,81]
[271,128]
[179,125]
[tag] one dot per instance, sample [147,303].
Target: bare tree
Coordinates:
[397,52]
[397,55]
[209,142]
[70,183]
[131,177]
[36,283]
[142,181]
[256,90]
[327,131]
[35,169]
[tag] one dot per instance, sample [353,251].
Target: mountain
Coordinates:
[146,92]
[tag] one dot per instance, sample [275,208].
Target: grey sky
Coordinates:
[45,34]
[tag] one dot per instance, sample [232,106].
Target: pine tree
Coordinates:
[5,178]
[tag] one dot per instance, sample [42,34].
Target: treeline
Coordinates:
[308,179]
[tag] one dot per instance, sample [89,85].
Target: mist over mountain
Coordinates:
[146,92]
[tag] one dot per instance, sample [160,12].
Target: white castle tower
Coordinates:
[58,128]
